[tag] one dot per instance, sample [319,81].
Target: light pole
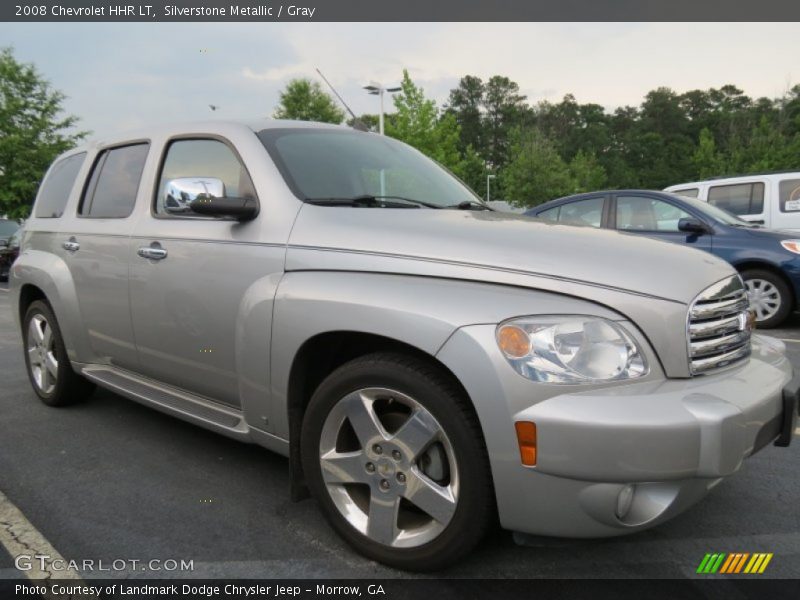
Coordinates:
[377,89]
[488,179]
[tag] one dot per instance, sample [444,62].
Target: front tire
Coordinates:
[769,296]
[46,360]
[393,453]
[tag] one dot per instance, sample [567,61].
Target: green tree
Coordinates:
[33,131]
[418,122]
[586,172]
[706,160]
[505,110]
[465,104]
[305,100]
[536,173]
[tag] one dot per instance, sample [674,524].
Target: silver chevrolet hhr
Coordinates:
[426,363]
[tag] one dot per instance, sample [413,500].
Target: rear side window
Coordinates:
[56,187]
[550,214]
[114,183]
[583,212]
[739,199]
[789,194]
[688,192]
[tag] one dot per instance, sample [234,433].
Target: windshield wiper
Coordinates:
[470,205]
[368,201]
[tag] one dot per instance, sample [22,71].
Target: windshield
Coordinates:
[331,164]
[7,228]
[718,214]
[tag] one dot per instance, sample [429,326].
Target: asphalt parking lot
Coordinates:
[109,479]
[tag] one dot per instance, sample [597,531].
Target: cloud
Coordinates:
[168,71]
[278,73]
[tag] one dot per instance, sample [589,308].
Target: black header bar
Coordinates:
[399,10]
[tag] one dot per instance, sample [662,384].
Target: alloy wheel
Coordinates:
[389,467]
[42,354]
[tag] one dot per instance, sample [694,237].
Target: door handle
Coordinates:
[154,252]
[71,245]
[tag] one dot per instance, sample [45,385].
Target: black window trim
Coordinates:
[163,159]
[101,154]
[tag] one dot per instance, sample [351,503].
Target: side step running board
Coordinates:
[222,419]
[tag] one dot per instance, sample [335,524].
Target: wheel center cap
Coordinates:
[385,467]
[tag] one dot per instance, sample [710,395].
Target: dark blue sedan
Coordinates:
[768,260]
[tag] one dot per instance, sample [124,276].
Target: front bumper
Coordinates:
[615,459]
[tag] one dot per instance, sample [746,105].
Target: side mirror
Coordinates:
[206,196]
[180,193]
[241,209]
[692,225]
[3,243]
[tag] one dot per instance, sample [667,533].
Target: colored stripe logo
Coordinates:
[735,562]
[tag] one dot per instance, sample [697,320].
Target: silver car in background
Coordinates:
[427,364]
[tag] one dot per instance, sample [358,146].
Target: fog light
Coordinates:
[625,500]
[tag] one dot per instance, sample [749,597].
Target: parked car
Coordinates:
[7,229]
[769,199]
[428,365]
[9,252]
[768,261]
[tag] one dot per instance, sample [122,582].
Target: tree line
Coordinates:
[549,149]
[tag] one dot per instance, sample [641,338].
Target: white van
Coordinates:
[771,199]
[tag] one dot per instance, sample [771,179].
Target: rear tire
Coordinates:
[406,477]
[46,360]
[770,297]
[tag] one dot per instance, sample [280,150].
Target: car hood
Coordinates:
[492,246]
[769,234]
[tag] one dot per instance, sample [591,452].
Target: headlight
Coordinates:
[791,245]
[570,349]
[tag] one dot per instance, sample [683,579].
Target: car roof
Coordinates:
[733,178]
[583,195]
[219,126]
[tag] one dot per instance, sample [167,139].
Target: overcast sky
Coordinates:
[119,76]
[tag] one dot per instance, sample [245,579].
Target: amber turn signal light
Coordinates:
[526,438]
[513,341]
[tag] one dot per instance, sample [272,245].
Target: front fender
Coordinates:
[422,312]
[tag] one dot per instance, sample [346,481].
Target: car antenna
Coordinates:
[357,123]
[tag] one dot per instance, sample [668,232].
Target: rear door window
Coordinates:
[56,187]
[550,214]
[583,212]
[114,183]
[739,198]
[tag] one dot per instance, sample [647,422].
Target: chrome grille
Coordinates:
[718,327]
